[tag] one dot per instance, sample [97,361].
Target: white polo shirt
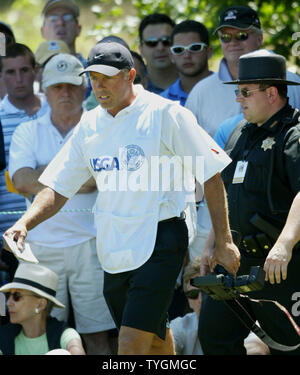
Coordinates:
[120,152]
[35,143]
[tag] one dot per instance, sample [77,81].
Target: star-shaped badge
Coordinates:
[268,143]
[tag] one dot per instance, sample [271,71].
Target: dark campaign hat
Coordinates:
[262,66]
[239,17]
[109,59]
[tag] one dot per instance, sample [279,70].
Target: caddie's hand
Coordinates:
[227,256]
[276,263]
[18,233]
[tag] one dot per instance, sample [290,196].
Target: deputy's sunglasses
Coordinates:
[246,93]
[16,296]
[153,42]
[240,36]
[67,17]
[193,293]
[194,47]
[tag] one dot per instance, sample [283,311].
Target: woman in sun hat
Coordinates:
[30,298]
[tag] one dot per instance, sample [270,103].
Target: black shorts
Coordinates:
[141,298]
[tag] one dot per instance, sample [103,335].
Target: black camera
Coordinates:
[221,285]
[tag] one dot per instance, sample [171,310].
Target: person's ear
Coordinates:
[79,27]
[272,94]
[209,52]
[131,75]
[42,304]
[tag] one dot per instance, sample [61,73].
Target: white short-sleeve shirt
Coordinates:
[128,208]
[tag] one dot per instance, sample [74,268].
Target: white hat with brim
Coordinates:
[103,69]
[62,68]
[37,279]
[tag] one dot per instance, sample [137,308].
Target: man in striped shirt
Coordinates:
[20,104]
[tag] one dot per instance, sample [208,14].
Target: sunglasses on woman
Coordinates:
[16,296]
[153,42]
[240,36]
[193,293]
[194,47]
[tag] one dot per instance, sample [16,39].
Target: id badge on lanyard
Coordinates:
[240,172]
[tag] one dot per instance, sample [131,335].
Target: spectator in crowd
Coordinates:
[43,54]
[211,101]
[60,22]
[155,39]
[142,237]
[19,104]
[9,39]
[31,331]
[185,329]
[262,185]
[190,52]
[66,243]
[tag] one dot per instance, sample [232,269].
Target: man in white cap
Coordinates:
[142,237]
[66,243]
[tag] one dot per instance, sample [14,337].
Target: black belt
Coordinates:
[181,217]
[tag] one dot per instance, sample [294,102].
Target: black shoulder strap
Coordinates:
[2,150]
[235,135]
[55,329]
[247,320]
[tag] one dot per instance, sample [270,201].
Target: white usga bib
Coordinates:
[127,209]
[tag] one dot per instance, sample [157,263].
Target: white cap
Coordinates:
[63,68]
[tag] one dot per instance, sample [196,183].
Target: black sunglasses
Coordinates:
[153,42]
[240,36]
[16,296]
[193,293]
[194,47]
